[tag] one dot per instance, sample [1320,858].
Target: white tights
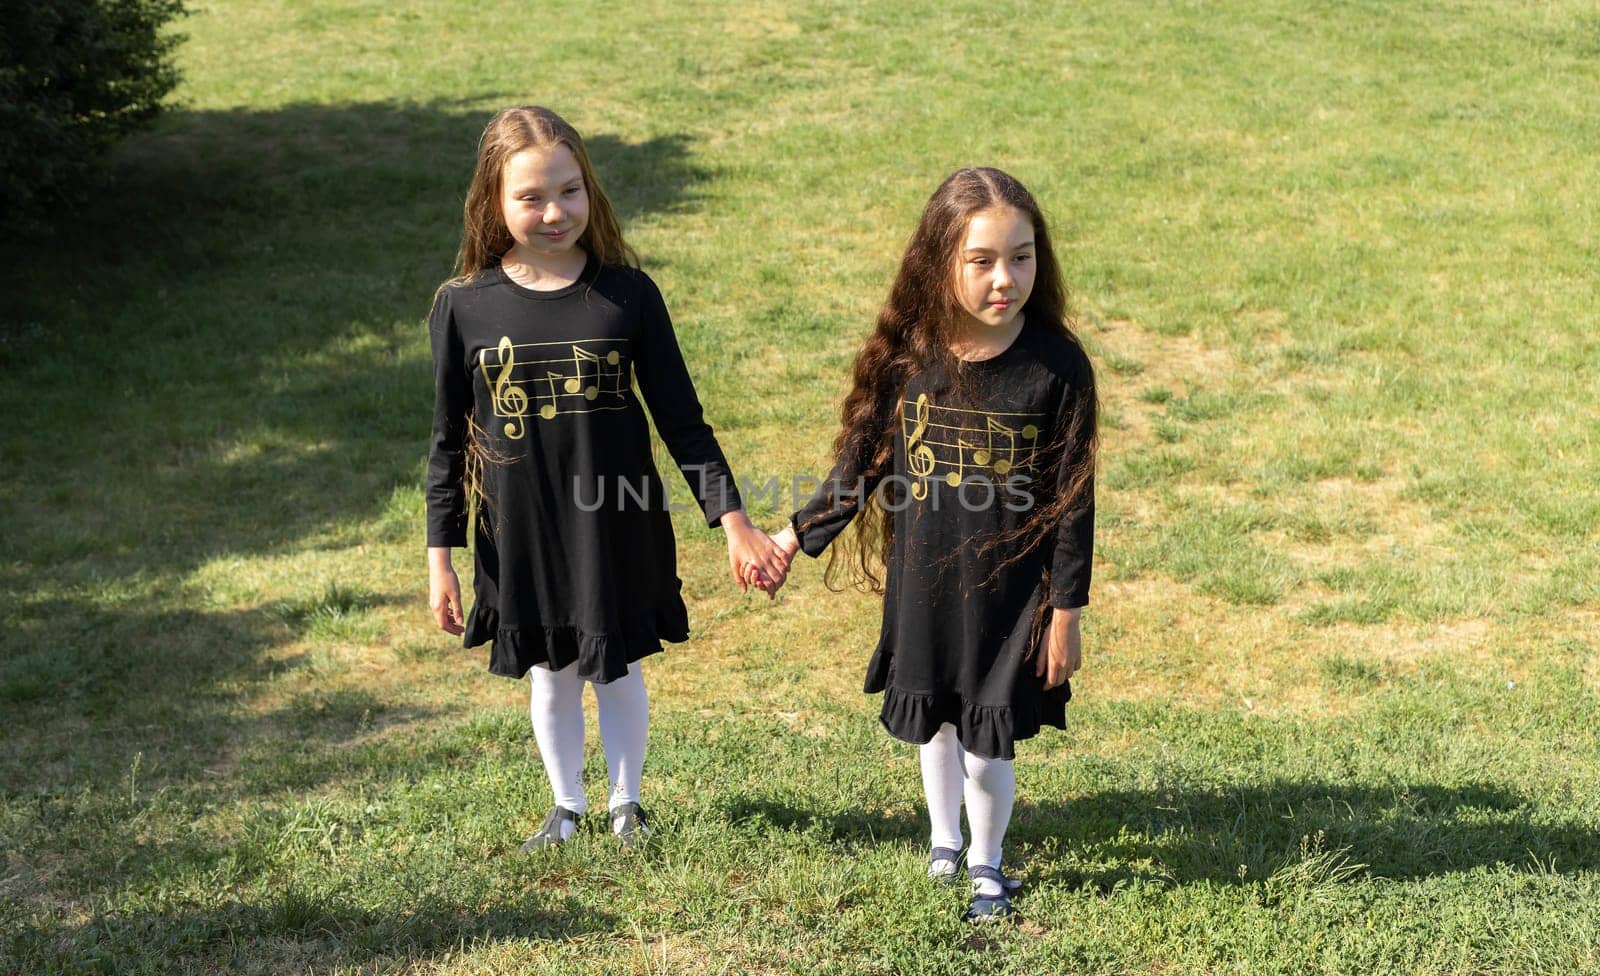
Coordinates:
[990,786]
[556,707]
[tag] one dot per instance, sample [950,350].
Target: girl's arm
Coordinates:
[788,540]
[445,489]
[830,510]
[1070,565]
[680,420]
[1063,648]
[444,592]
[1071,561]
[675,408]
[835,503]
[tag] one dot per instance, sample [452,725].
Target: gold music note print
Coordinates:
[575,382]
[506,399]
[1030,433]
[613,359]
[549,410]
[953,478]
[988,455]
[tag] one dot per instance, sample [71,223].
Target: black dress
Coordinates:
[575,559]
[970,463]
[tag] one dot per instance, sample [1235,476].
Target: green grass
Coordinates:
[1335,263]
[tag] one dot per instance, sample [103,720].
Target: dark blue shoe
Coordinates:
[987,907]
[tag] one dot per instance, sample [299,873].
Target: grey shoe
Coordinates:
[549,834]
[630,826]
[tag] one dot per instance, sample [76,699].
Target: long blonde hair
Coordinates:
[484,237]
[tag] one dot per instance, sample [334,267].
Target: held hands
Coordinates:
[788,544]
[753,557]
[1063,650]
[444,592]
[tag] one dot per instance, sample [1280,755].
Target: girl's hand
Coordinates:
[444,592]
[788,541]
[1063,651]
[748,546]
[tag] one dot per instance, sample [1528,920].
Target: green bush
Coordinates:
[75,76]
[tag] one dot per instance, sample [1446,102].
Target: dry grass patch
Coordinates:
[1164,645]
[1170,644]
[1181,359]
[1133,359]
[1470,647]
[762,21]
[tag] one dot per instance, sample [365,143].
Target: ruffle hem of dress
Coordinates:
[990,731]
[601,658]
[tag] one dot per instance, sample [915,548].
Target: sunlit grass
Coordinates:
[1335,266]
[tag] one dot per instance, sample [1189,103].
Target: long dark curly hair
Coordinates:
[914,330]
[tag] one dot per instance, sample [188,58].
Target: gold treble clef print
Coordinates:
[507,399]
[919,456]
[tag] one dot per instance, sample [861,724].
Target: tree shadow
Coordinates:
[238,332]
[1239,835]
[224,355]
[844,829]
[1245,834]
[297,924]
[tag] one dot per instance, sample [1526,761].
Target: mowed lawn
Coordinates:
[1336,264]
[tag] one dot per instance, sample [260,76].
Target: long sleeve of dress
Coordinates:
[669,392]
[836,501]
[452,402]
[1071,563]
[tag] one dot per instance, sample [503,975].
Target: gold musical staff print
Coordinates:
[952,444]
[583,377]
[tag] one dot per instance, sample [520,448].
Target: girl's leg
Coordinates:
[556,707]
[624,722]
[941,782]
[991,786]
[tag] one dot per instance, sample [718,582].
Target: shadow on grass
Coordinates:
[288,932]
[102,689]
[224,356]
[846,829]
[1205,836]
[1248,833]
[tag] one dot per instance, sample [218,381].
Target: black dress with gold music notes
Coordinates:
[972,460]
[575,559]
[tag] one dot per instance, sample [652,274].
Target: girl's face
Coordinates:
[995,267]
[544,201]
